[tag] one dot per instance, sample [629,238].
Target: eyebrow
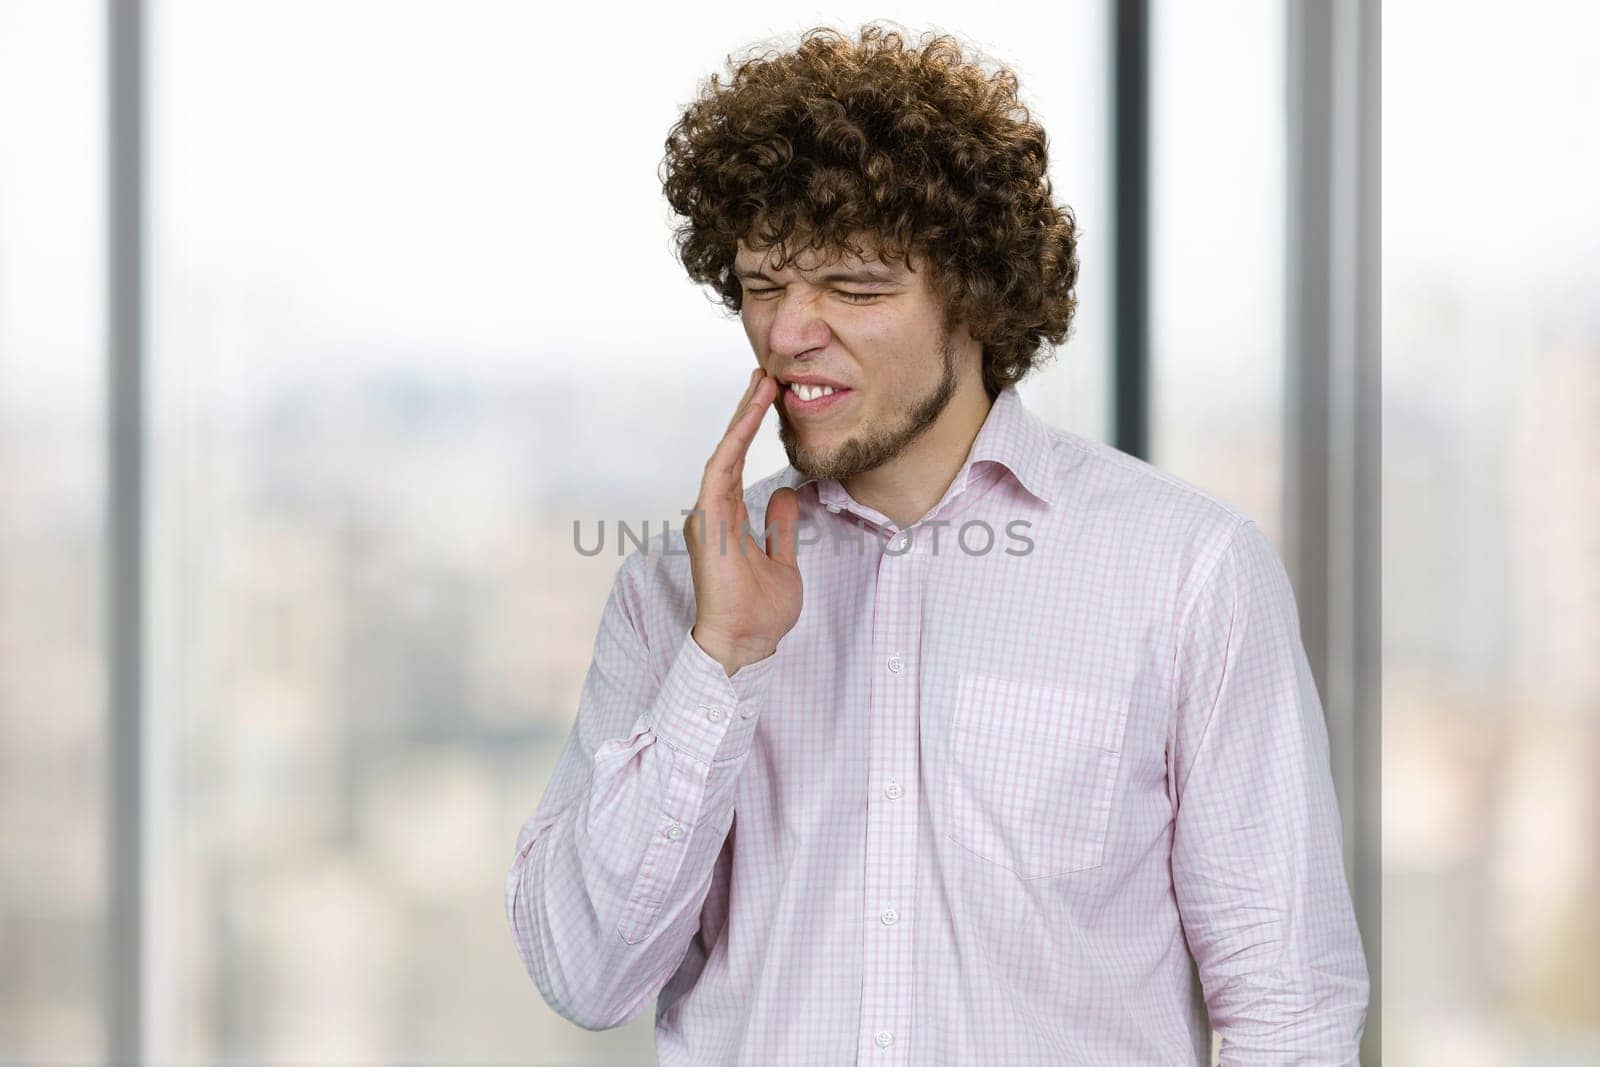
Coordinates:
[859,277]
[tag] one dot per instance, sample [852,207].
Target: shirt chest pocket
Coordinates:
[1032,773]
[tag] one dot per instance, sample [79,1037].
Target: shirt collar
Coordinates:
[1011,436]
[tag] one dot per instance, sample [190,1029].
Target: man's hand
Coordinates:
[747,595]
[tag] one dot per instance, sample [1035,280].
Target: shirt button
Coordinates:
[893,791]
[746,712]
[714,714]
[896,664]
[899,542]
[674,831]
[889,917]
[884,1038]
[833,508]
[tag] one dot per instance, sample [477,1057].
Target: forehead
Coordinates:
[809,261]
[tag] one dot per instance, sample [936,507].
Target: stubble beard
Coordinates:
[873,447]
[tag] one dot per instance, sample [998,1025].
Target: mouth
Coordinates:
[807,399]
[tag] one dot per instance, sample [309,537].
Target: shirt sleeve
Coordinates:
[610,872]
[1256,852]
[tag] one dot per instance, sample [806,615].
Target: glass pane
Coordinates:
[52,468]
[414,312]
[1491,507]
[1217,181]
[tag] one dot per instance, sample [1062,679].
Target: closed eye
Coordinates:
[854,298]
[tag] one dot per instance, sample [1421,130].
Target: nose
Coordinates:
[798,328]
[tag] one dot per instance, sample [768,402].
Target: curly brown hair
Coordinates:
[916,147]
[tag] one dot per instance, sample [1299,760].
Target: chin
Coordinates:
[820,439]
[803,452]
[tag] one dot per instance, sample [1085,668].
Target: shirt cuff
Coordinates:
[703,711]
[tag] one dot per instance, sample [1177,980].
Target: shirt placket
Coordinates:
[888,915]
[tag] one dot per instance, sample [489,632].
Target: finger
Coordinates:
[783,525]
[746,426]
[749,389]
[725,468]
[712,491]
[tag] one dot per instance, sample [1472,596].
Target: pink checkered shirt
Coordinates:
[983,805]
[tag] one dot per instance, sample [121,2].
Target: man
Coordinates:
[956,739]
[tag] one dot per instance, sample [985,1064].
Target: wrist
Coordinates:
[731,653]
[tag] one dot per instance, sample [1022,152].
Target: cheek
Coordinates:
[889,353]
[891,337]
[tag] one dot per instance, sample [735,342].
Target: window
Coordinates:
[1217,282]
[391,361]
[52,520]
[1491,834]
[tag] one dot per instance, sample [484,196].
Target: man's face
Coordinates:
[869,329]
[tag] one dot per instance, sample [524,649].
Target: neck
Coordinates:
[907,487]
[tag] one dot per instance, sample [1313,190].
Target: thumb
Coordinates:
[782,527]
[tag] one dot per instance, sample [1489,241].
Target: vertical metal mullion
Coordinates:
[1131,245]
[1367,616]
[1307,373]
[1361,92]
[125,489]
[1332,409]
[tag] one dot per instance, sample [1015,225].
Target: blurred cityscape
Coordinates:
[380,632]
[383,631]
[1491,730]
